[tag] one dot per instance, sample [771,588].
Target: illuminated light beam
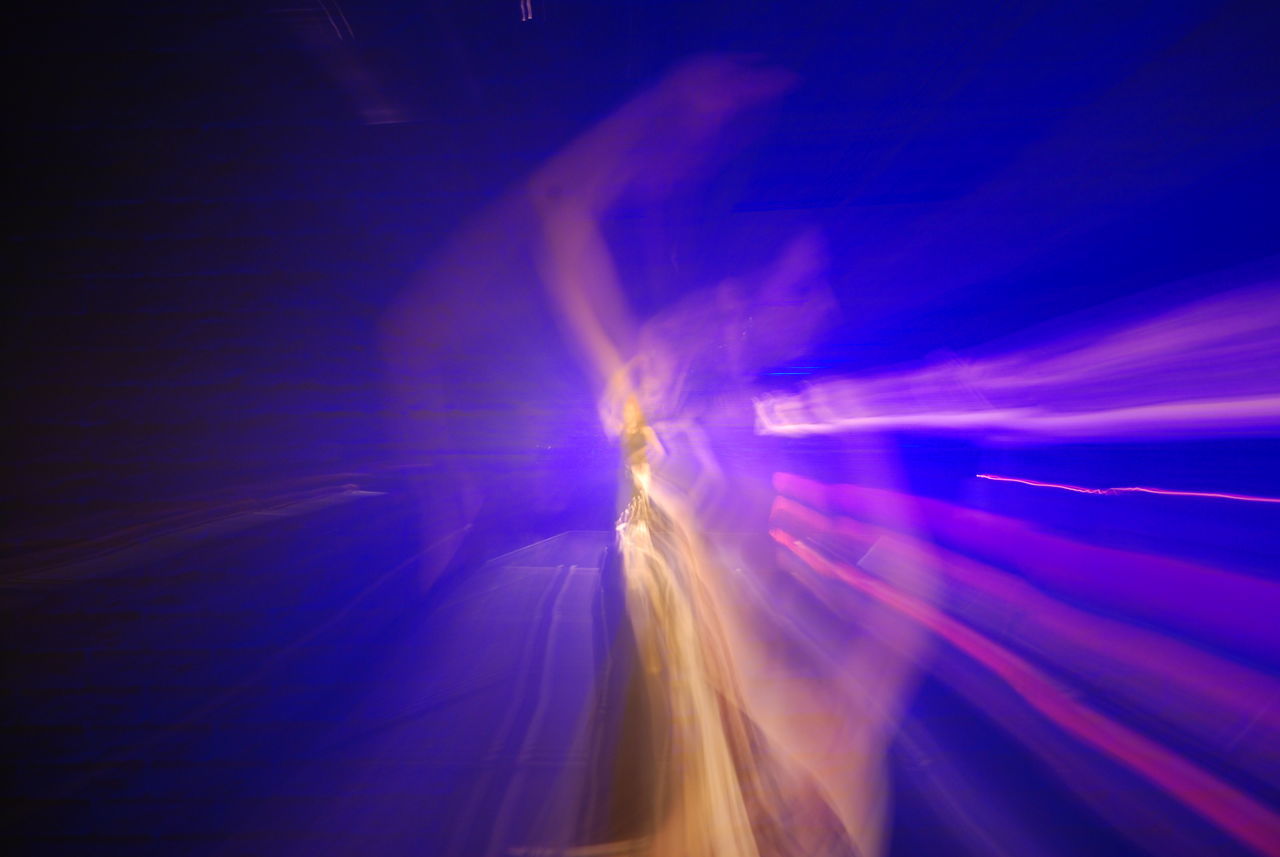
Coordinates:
[832,408]
[1207,368]
[1130,489]
[1233,811]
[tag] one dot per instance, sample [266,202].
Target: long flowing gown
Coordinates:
[718,788]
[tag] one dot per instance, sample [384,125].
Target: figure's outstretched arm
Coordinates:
[644,148]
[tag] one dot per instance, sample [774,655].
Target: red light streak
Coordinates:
[1134,489]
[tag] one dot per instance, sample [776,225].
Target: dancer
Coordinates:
[748,760]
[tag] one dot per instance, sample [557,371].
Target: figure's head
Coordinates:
[783,307]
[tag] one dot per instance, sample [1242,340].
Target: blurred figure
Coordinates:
[496,376]
[751,751]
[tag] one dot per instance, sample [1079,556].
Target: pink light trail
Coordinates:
[1248,820]
[1134,489]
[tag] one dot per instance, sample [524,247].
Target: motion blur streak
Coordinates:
[1134,489]
[1207,368]
[1158,589]
[1246,819]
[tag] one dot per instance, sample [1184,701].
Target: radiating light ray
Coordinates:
[1129,489]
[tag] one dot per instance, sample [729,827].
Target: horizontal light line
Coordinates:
[1134,489]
